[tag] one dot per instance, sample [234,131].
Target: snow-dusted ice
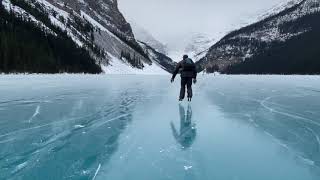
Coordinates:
[122,127]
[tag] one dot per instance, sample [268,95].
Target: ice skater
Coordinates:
[187,69]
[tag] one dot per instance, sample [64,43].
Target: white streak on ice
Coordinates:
[315,134]
[79,126]
[96,173]
[287,114]
[20,167]
[112,119]
[57,122]
[8,140]
[36,113]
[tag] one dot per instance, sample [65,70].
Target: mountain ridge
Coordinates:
[97,26]
[143,35]
[262,36]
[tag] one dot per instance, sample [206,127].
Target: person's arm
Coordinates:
[176,71]
[195,73]
[174,131]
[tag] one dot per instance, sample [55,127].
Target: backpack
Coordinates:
[188,65]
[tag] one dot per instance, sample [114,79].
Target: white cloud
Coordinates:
[172,20]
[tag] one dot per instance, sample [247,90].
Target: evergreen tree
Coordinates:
[26,47]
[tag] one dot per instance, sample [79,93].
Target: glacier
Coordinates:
[132,127]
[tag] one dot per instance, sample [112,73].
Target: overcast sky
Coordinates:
[171,20]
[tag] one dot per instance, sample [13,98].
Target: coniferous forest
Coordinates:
[28,48]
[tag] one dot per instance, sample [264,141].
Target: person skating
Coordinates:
[187,69]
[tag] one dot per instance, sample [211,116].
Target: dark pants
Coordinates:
[186,81]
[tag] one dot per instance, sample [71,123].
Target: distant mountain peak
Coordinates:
[145,36]
[198,45]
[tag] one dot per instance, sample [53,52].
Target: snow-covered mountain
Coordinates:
[277,9]
[297,21]
[198,46]
[97,25]
[160,63]
[160,59]
[143,35]
[195,45]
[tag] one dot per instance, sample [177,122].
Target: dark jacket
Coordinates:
[187,69]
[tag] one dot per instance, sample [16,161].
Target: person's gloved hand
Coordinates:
[172,80]
[194,81]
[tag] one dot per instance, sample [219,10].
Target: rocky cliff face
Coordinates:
[106,12]
[296,20]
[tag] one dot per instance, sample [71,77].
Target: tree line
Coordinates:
[27,47]
[133,60]
[298,55]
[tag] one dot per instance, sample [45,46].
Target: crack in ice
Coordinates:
[36,113]
[96,173]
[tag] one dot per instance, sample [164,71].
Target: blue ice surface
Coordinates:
[120,127]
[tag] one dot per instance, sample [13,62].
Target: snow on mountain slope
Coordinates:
[198,46]
[278,8]
[21,12]
[110,26]
[143,35]
[117,66]
[105,12]
[246,42]
[195,45]
[158,58]
[111,35]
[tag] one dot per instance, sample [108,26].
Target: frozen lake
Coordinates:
[132,127]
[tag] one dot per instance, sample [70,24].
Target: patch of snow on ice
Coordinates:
[79,126]
[187,167]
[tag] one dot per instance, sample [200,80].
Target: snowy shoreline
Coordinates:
[142,74]
[78,74]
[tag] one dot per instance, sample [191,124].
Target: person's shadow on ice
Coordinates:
[187,134]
